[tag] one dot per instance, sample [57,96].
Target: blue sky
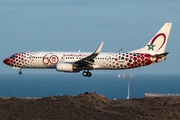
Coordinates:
[70,25]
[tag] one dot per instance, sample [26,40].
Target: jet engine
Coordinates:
[66,67]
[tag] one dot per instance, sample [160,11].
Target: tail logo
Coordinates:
[151,46]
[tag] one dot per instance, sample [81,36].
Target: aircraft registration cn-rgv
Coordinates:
[151,53]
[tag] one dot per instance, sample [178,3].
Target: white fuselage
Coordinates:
[104,61]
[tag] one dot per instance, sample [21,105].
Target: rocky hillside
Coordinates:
[89,106]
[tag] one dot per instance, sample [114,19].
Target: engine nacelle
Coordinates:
[65,67]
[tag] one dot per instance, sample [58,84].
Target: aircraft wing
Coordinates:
[89,60]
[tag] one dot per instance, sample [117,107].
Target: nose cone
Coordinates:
[6,61]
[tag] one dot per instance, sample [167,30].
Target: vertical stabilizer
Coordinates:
[158,43]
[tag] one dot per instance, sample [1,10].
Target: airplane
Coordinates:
[152,52]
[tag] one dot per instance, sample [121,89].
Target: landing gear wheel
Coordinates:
[20,72]
[86,74]
[89,74]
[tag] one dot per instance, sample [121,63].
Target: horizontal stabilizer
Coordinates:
[161,55]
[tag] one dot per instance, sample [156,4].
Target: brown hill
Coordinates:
[89,106]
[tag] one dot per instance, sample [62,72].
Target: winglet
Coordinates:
[121,50]
[90,59]
[98,50]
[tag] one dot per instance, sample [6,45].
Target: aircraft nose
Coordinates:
[6,61]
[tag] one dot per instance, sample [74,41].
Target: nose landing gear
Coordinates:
[20,72]
[18,68]
[87,73]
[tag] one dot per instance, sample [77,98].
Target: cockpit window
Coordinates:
[12,56]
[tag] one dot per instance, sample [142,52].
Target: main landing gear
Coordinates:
[20,72]
[86,73]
